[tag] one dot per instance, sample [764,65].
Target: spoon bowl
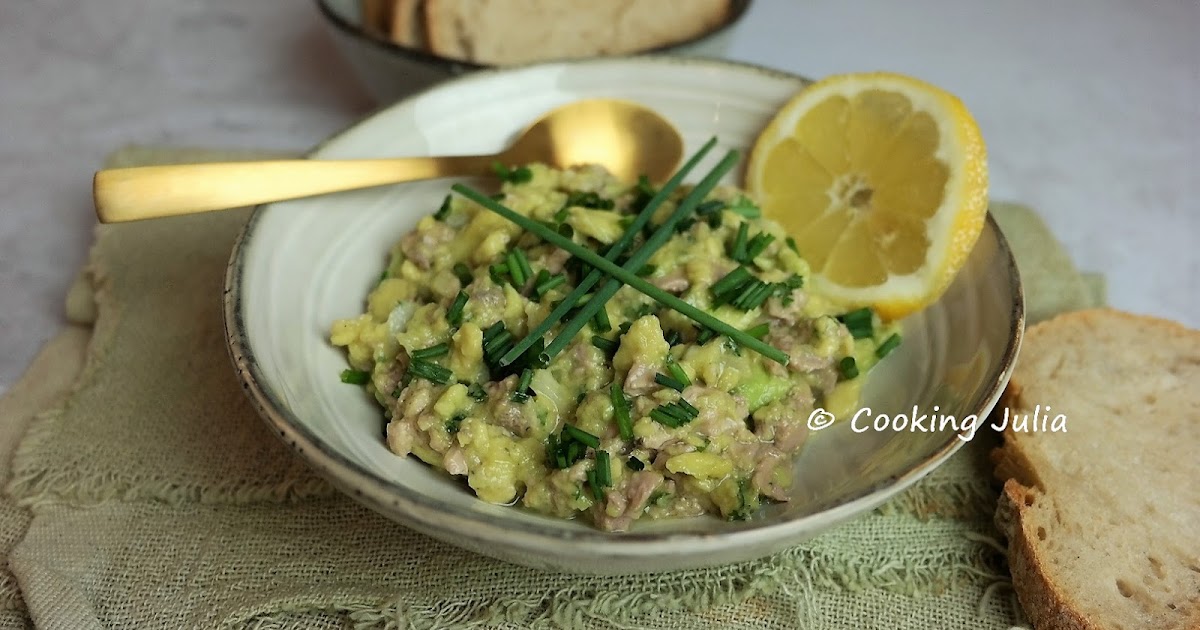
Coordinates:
[626,138]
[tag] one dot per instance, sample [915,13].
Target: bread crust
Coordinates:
[1025,500]
[408,23]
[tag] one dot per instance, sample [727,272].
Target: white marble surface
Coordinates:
[1091,110]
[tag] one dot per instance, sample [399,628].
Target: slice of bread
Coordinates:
[1103,520]
[377,16]
[408,23]
[505,32]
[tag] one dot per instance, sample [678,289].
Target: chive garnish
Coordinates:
[739,243]
[712,206]
[669,382]
[443,211]
[523,262]
[463,273]
[634,463]
[673,338]
[581,436]
[515,269]
[791,243]
[593,276]
[497,271]
[521,393]
[499,340]
[706,335]
[848,367]
[647,270]
[519,175]
[453,424]
[887,346]
[621,411]
[659,416]
[678,373]
[492,331]
[660,236]
[731,281]
[603,468]
[355,377]
[687,406]
[548,284]
[438,350]
[608,346]
[600,321]
[593,483]
[455,315]
[746,208]
[432,372]
[758,245]
[621,275]
[477,392]
[759,331]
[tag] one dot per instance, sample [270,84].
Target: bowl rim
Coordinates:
[449,64]
[416,511]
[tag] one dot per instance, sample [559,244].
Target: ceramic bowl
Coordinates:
[390,71]
[301,264]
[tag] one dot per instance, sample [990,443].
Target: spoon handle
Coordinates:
[147,192]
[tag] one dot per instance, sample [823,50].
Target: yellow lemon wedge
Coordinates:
[882,181]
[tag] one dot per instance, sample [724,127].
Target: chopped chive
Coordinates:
[600,321]
[607,346]
[562,213]
[500,339]
[453,424]
[515,270]
[675,411]
[887,346]
[794,282]
[438,350]
[687,406]
[732,280]
[463,273]
[593,276]
[856,317]
[523,261]
[624,275]
[634,463]
[760,243]
[519,175]
[581,436]
[521,393]
[746,208]
[491,331]
[356,377]
[429,371]
[383,275]
[621,411]
[519,397]
[644,187]
[673,338]
[542,276]
[678,373]
[443,211]
[861,332]
[712,206]
[706,335]
[669,382]
[739,243]
[603,468]
[565,230]
[759,331]
[497,271]
[742,301]
[761,295]
[590,199]
[658,415]
[477,392]
[455,315]
[791,243]
[621,275]
[848,367]
[647,270]
[593,483]
[550,283]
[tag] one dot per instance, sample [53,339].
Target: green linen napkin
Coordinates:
[152,496]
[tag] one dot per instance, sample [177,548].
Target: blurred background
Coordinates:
[1090,108]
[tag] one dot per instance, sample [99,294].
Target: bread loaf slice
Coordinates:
[1103,520]
[505,32]
[408,23]
[377,16]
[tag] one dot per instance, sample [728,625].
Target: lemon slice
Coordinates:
[882,181]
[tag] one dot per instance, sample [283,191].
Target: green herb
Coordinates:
[665,419]
[607,346]
[621,411]
[463,273]
[549,284]
[710,207]
[383,275]
[356,377]
[647,271]
[759,331]
[644,187]
[600,321]
[678,373]
[453,424]
[519,175]
[439,350]
[887,346]
[443,211]
[746,208]
[431,372]
[758,245]
[732,281]
[497,271]
[516,270]
[706,335]
[791,243]
[848,367]
[477,392]
[673,338]
[739,243]
[491,331]
[523,261]
[588,200]
[593,276]
[603,468]
[634,463]
[674,414]
[581,436]
[687,406]
[621,275]
[455,315]
[521,393]
[669,382]
[860,323]
[594,485]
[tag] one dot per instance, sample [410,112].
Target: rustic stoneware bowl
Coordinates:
[390,71]
[300,265]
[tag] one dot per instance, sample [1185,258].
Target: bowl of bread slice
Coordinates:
[398,47]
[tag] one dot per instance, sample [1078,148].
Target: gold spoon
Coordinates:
[627,138]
